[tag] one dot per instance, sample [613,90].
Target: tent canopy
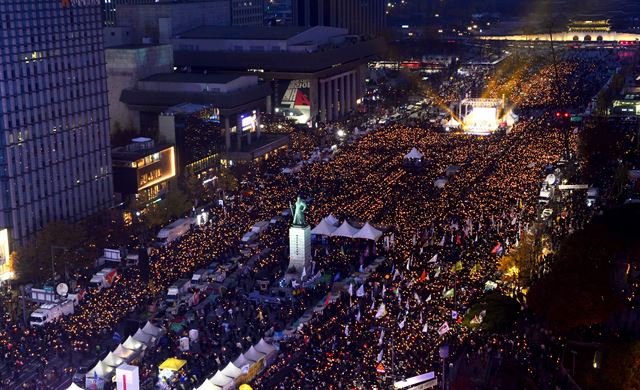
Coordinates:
[332,220]
[240,362]
[142,337]
[345,230]
[133,344]
[151,329]
[112,360]
[219,379]
[123,353]
[231,370]
[452,123]
[253,355]
[264,347]
[414,154]
[368,232]
[324,228]
[100,370]
[74,387]
[173,364]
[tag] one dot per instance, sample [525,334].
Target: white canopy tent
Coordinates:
[264,347]
[151,329]
[74,387]
[219,379]
[240,362]
[368,232]
[124,353]
[207,385]
[142,337]
[112,360]
[324,228]
[133,344]
[452,123]
[231,371]
[100,370]
[440,183]
[253,355]
[332,220]
[345,230]
[414,154]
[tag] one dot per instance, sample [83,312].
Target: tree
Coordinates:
[174,205]
[620,367]
[193,187]
[500,311]
[58,240]
[520,265]
[227,182]
[579,289]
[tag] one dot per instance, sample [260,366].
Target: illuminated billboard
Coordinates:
[5,267]
[248,122]
[156,168]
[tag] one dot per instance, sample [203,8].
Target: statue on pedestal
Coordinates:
[297,211]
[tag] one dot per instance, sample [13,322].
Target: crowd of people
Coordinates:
[445,244]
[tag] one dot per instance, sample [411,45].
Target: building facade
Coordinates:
[359,17]
[247,12]
[109,9]
[55,159]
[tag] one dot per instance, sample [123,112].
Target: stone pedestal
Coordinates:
[299,247]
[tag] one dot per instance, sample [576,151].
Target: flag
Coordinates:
[337,277]
[448,293]
[294,284]
[350,289]
[454,314]
[437,272]
[358,316]
[360,291]
[417,297]
[476,320]
[433,259]
[380,367]
[396,274]
[489,285]
[328,297]
[408,264]
[384,290]
[117,337]
[429,298]
[496,249]
[475,269]
[457,267]
[346,330]
[425,328]
[444,328]
[423,277]
[304,273]
[381,311]
[401,324]
[381,337]
[442,241]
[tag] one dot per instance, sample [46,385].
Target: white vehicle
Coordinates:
[545,195]
[260,227]
[592,196]
[50,311]
[200,277]
[174,230]
[104,278]
[178,289]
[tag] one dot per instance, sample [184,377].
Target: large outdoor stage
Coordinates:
[484,116]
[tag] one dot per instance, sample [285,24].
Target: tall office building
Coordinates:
[55,161]
[361,17]
[247,12]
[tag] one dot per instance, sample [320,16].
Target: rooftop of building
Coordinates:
[210,78]
[134,46]
[243,32]
[145,147]
[294,62]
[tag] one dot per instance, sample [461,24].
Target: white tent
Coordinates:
[332,220]
[240,362]
[231,371]
[123,353]
[440,183]
[151,329]
[142,337]
[264,347]
[133,344]
[452,123]
[207,385]
[74,387]
[368,232]
[253,355]
[414,154]
[100,370]
[345,230]
[324,228]
[219,379]
[112,360]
